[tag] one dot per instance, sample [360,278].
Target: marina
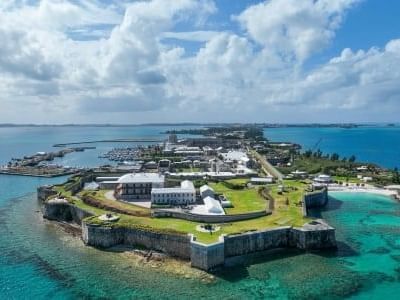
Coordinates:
[121,154]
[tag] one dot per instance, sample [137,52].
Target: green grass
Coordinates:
[313,165]
[100,195]
[294,192]
[243,201]
[238,181]
[168,225]
[188,170]
[350,179]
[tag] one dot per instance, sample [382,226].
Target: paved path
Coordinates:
[266,166]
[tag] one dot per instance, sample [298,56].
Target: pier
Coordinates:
[35,165]
[133,140]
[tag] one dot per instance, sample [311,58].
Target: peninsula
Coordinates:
[209,199]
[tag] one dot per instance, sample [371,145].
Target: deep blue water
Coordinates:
[40,261]
[379,145]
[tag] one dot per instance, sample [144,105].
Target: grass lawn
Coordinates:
[294,192]
[350,179]
[238,180]
[100,195]
[283,218]
[246,200]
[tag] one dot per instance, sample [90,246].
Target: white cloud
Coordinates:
[126,71]
[294,29]
[194,36]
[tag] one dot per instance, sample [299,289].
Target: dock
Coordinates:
[133,140]
[33,174]
[36,166]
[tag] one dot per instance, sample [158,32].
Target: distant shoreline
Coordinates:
[367,190]
[264,125]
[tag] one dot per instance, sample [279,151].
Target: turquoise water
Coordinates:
[40,261]
[370,144]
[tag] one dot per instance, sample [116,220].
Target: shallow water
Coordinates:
[39,260]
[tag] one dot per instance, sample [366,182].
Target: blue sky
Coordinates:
[372,23]
[84,61]
[369,24]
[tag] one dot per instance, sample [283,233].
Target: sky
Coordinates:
[164,61]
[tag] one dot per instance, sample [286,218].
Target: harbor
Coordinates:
[38,164]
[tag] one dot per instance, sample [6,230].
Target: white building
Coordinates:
[323,179]
[210,207]
[235,156]
[138,186]
[299,174]
[206,191]
[262,180]
[213,206]
[183,195]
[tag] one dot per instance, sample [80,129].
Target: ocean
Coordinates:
[38,260]
[375,144]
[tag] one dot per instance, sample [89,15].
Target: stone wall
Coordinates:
[206,257]
[43,192]
[58,210]
[315,200]
[242,244]
[160,213]
[104,237]
[312,236]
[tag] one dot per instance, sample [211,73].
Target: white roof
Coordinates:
[141,178]
[91,186]
[324,176]
[187,184]
[213,206]
[174,190]
[205,187]
[299,172]
[234,155]
[262,179]
[186,187]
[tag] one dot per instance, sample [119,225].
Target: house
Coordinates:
[206,191]
[164,165]
[209,151]
[151,165]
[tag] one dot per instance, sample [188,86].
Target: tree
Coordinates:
[352,159]
[396,175]
[308,153]
[334,156]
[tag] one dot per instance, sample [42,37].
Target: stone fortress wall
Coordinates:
[314,235]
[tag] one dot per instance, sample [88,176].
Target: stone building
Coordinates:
[183,195]
[138,186]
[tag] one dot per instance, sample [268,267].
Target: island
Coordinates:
[209,199]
